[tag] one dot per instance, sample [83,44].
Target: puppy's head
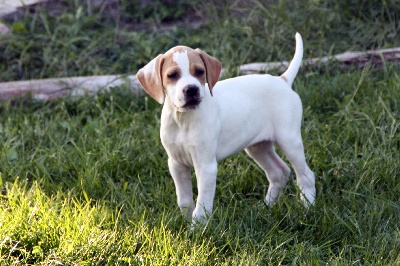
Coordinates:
[181,74]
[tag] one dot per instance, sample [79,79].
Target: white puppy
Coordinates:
[204,121]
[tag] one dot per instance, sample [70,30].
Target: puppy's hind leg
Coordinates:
[292,148]
[276,170]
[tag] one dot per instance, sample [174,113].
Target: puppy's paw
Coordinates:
[199,218]
[272,195]
[308,196]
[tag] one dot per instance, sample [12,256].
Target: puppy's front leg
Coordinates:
[206,175]
[183,184]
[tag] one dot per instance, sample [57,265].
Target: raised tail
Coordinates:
[294,66]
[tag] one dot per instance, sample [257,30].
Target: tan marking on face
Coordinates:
[178,62]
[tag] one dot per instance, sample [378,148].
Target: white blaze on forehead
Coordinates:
[182,60]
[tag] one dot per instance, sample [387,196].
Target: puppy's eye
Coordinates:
[199,72]
[173,75]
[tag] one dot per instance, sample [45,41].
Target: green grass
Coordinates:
[85,182]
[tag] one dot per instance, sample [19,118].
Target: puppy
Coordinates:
[204,121]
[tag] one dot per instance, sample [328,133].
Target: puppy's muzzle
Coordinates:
[192,96]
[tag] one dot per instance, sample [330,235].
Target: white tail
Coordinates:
[294,66]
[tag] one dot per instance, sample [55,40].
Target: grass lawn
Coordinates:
[85,181]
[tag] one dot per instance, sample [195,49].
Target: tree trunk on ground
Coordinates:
[48,89]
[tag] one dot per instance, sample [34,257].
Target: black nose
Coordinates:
[191,91]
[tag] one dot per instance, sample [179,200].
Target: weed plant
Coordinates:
[85,181]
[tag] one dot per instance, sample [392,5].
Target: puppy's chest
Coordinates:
[181,144]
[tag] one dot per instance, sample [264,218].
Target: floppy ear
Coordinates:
[213,68]
[150,77]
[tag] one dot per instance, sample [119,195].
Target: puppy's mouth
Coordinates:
[192,103]
[192,97]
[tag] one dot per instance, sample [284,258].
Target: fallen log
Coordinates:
[346,61]
[49,89]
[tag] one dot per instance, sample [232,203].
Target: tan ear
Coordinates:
[213,68]
[150,77]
